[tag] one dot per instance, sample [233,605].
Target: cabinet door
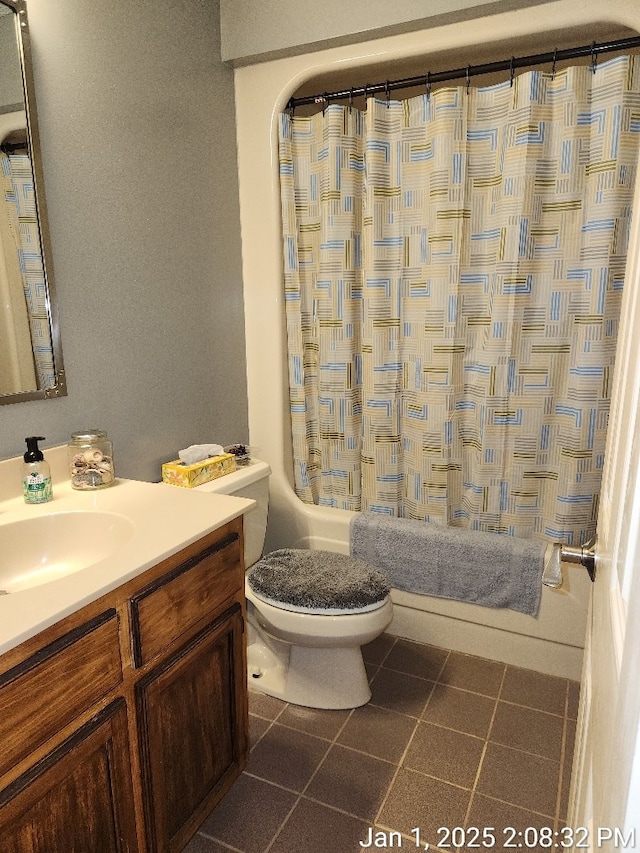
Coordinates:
[192,720]
[79,798]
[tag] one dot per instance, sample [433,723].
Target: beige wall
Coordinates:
[255,31]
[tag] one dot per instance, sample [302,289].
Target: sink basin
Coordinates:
[36,551]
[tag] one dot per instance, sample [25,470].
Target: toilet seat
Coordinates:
[320,583]
[316,611]
[325,630]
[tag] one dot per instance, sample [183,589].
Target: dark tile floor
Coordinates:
[448,740]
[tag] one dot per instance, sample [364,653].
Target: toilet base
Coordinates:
[331,678]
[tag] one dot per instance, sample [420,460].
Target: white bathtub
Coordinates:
[552,642]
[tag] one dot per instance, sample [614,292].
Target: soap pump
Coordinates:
[36,476]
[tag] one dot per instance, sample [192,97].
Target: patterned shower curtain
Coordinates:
[454,266]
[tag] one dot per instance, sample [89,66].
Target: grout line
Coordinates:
[444,663]
[282,825]
[418,717]
[437,680]
[484,748]
[532,708]
[271,782]
[447,782]
[270,720]
[459,731]
[268,729]
[372,669]
[367,754]
[516,806]
[334,808]
[291,728]
[395,640]
[378,663]
[413,674]
[451,729]
[300,794]
[563,749]
[406,749]
[488,696]
[524,751]
[329,748]
[218,842]
[396,773]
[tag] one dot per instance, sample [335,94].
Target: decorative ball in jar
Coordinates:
[91,460]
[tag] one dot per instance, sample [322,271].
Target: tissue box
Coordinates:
[189,476]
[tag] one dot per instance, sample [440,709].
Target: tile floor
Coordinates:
[448,740]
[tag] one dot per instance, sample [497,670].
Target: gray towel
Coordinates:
[448,562]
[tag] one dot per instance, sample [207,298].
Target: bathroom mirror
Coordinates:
[31,365]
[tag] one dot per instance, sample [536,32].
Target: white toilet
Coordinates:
[307,658]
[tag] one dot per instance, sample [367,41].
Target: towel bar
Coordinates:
[583,554]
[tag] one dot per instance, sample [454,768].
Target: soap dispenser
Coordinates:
[36,476]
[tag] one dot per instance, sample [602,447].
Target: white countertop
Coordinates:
[165,520]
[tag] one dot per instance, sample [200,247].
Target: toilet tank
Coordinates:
[249,481]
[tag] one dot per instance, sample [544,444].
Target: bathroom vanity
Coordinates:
[125,721]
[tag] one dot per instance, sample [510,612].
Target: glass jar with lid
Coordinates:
[91,460]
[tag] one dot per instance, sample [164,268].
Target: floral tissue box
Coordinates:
[189,476]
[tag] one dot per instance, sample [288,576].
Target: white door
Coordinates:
[605,795]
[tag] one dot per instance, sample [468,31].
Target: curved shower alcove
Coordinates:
[553,641]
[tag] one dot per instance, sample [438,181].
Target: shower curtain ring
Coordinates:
[351,99]
[594,59]
[553,66]
[468,77]
[386,89]
[325,102]
[428,85]
[513,71]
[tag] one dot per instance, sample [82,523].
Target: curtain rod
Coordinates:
[428,79]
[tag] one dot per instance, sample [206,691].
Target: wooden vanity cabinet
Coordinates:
[124,724]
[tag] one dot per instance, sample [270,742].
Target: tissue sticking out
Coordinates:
[199,452]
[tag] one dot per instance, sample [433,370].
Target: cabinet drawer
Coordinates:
[172,604]
[48,690]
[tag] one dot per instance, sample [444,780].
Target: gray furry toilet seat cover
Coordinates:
[317,581]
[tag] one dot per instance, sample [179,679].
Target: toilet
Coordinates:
[298,652]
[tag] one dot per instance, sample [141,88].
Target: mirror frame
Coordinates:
[59,388]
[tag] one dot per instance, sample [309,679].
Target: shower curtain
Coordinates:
[18,197]
[453,271]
